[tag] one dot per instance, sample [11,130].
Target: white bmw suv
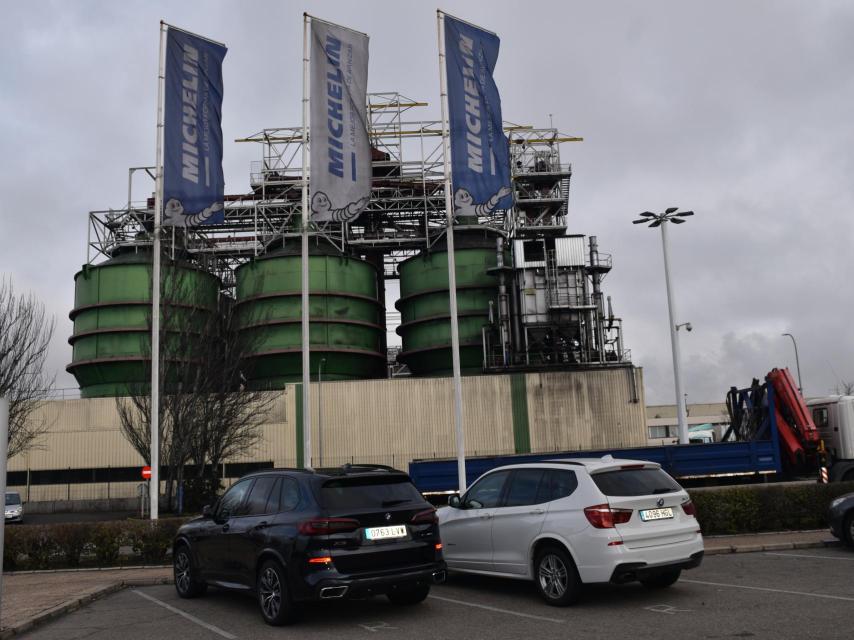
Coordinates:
[563,523]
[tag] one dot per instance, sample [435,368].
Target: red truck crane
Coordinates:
[800,440]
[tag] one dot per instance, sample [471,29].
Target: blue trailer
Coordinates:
[757,457]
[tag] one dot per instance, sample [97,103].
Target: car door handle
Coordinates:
[225,527]
[537,512]
[261,525]
[486,516]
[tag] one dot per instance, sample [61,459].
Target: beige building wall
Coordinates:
[382,421]
[394,421]
[582,410]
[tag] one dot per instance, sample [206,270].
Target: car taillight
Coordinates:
[327,526]
[689,508]
[602,516]
[428,516]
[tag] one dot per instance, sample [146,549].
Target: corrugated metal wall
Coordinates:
[593,409]
[394,421]
[382,421]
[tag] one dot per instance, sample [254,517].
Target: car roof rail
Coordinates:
[350,468]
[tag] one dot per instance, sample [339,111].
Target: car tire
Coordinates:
[182,570]
[409,596]
[848,529]
[662,580]
[274,598]
[556,577]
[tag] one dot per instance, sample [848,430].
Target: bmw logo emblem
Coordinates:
[388,516]
[660,502]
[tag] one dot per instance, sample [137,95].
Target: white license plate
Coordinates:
[656,514]
[381,533]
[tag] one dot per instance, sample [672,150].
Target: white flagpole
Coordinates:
[452,273]
[306,352]
[154,483]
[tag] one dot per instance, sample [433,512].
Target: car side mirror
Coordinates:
[454,501]
[207,512]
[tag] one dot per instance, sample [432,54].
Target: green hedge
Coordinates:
[774,507]
[98,544]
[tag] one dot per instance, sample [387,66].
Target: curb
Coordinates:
[776,546]
[75,603]
[88,569]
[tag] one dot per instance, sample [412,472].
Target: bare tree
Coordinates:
[25,334]
[230,416]
[845,388]
[205,415]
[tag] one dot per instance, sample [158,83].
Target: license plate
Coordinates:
[656,514]
[381,533]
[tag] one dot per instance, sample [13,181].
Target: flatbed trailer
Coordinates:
[758,458]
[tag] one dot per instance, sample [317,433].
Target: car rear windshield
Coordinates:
[368,492]
[635,482]
[13,498]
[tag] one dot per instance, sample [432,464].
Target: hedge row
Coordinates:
[747,509]
[88,544]
[780,507]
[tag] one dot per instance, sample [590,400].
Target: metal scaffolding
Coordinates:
[406,212]
[406,215]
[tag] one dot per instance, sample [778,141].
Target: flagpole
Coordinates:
[452,273]
[154,483]
[306,353]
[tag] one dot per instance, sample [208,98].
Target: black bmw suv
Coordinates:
[292,535]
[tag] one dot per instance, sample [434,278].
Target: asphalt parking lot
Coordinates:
[787,594]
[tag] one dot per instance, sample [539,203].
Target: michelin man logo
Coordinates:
[464,205]
[173,214]
[321,208]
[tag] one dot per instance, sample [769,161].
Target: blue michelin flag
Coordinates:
[193,182]
[480,161]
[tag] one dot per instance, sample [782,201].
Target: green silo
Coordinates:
[347,319]
[112,310]
[424,304]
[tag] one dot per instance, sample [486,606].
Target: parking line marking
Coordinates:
[791,593]
[497,609]
[201,623]
[804,555]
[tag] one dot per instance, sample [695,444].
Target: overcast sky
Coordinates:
[741,111]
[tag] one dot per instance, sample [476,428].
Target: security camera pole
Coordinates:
[660,220]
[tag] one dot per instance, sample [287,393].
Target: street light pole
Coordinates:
[797,362]
[661,220]
[674,343]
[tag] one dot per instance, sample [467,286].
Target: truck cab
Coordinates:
[834,419]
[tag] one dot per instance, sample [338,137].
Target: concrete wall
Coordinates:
[382,421]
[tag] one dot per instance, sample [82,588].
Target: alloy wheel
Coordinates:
[270,591]
[182,571]
[553,576]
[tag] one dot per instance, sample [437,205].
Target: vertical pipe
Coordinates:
[452,274]
[306,353]
[516,312]
[674,342]
[503,305]
[597,298]
[320,412]
[4,449]
[155,290]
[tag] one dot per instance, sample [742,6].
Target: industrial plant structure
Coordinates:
[542,354]
[529,293]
